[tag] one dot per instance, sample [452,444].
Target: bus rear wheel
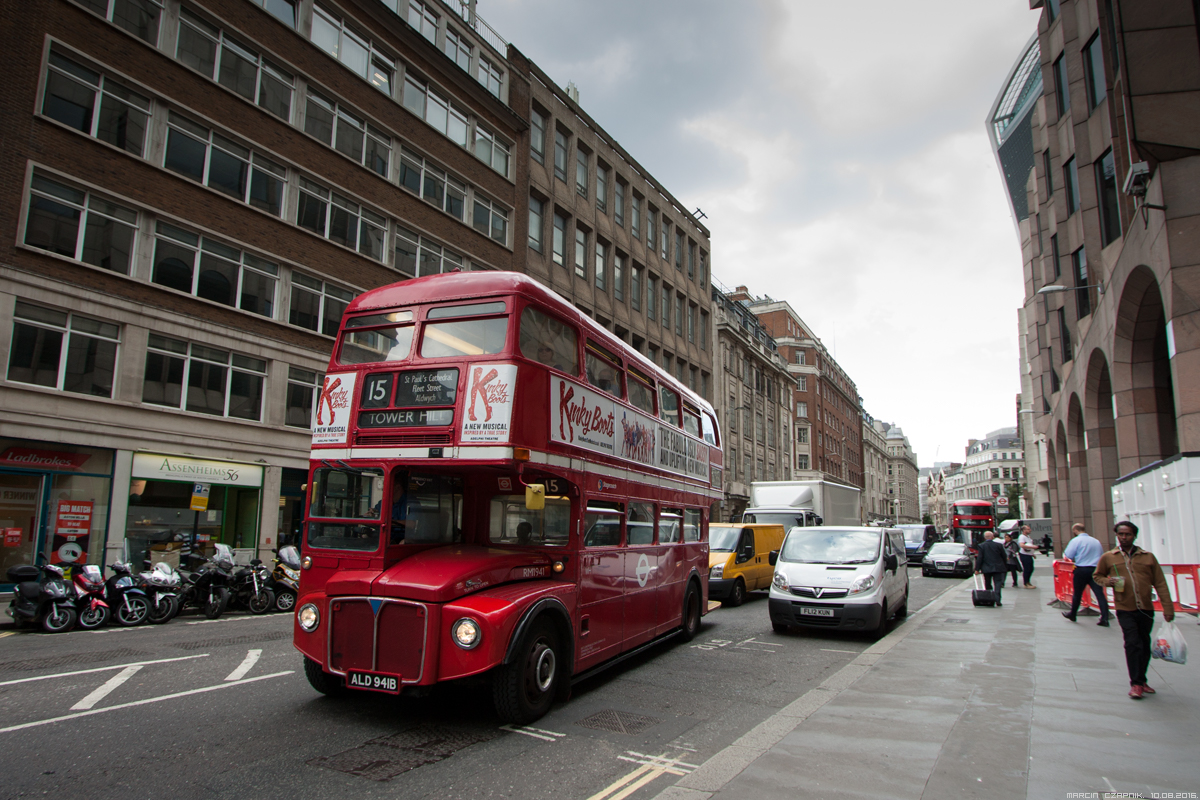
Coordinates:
[523,690]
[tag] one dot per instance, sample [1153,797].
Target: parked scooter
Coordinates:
[162,585]
[89,596]
[286,578]
[250,589]
[129,603]
[42,596]
[208,587]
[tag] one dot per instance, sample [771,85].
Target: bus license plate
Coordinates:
[373,681]
[809,611]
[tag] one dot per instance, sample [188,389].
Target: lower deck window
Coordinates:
[512,523]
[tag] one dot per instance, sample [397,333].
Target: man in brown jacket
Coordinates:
[1131,571]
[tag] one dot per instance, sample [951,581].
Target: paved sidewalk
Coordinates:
[960,702]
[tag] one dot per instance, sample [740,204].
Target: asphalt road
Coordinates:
[221,709]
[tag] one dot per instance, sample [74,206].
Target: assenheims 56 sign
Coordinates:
[195,470]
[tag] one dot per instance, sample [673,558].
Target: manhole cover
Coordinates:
[388,756]
[958,620]
[618,722]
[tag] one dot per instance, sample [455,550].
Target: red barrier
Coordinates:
[1183,579]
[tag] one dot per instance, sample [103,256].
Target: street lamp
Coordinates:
[1055,288]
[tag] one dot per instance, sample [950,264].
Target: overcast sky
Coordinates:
[840,153]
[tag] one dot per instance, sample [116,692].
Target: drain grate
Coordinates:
[618,722]
[72,660]
[229,641]
[960,621]
[388,756]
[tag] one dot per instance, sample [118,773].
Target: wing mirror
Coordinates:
[773,557]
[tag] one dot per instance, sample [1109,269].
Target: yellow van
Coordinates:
[737,559]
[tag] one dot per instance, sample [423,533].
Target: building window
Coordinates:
[651,216]
[802,383]
[800,357]
[457,49]
[801,461]
[619,204]
[139,17]
[651,297]
[1106,191]
[679,315]
[1054,256]
[329,34]
[1093,72]
[213,271]
[203,379]
[703,330]
[665,239]
[691,259]
[1071,181]
[352,137]
[580,252]
[489,76]
[340,220]
[212,53]
[618,277]
[1065,334]
[1083,298]
[537,136]
[419,16]
[80,225]
[560,155]
[283,10]
[666,306]
[439,112]
[219,163]
[423,179]
[601,188]
[302,391]
[559,243]
[317,305]
[1046,171]
[491,150]
[418,255]
[802,434]
[63,351]
[635,288]
[536,217]
[490,219]
[679,250]
[704,269]
[1061,87]
[98,106]
[635,217]
[802,409]
[601,265]
[581,173]
[691,322]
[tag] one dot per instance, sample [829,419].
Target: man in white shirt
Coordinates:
[1085,552]
[1028,548]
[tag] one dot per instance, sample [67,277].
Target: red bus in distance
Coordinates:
[969,519]
[497,486]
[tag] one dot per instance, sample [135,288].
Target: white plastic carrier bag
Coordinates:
[1167,643]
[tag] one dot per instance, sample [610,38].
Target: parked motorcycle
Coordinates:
[89,588]
[129,602]
[286,578]
[162,585]
[208,587]
[42,596]
[250,590]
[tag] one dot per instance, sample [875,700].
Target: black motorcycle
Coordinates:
[129,603]
[251,588]
[207,589]
[42,596]
[286,578]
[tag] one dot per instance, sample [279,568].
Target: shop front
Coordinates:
[54,503]
[180,508]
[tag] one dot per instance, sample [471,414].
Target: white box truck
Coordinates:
[803,503]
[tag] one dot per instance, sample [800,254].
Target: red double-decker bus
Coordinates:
[969,519]
[498,485]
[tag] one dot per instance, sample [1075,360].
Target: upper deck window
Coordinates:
[668,405]
[464,337]
[710,428]
[641,392]
[392,343]
[549,341]
[691,422]
[602,372]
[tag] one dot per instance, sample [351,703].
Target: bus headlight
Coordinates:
[863,584]
[308,617]
[465,633]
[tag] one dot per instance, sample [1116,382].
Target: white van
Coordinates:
[839,578]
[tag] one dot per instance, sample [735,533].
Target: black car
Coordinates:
[948,558]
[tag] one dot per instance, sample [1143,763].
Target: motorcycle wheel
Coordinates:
[262,602]
[285,601]
[216,606]
[58,619]
[92,618]
[162,610]
[133,610]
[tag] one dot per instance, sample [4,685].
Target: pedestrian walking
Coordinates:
[993,563]
[1132,572]
[1027,549]
[1014,561]
[1084,551]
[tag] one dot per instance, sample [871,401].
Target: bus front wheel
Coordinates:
[523,690]
[691,612]
[322,681]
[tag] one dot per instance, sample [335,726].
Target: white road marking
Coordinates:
[652,767]
[105,688]
[144,702]
[247,663]
[831,650]
[671,765]
[536,733]
[231,619]
[100,669]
